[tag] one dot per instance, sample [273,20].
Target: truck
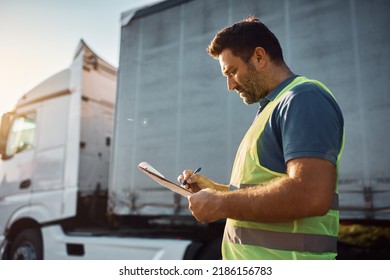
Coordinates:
[70,186]
[55,198]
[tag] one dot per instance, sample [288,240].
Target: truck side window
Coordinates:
[22,134]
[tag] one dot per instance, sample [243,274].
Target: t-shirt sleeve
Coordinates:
[311,124]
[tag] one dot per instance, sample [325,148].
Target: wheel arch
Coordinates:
[20,225]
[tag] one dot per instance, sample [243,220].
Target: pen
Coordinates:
[196,171]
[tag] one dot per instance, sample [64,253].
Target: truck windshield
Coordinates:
[22,134]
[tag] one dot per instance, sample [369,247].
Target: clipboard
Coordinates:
[159,178]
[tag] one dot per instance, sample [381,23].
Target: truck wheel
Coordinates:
[27,245]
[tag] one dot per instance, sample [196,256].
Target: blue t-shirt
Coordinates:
[306,123]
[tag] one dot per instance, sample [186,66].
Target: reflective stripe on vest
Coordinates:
[301,242]
[313,237]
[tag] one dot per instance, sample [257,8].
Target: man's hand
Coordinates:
[192,181]
[204,205]
[197,182]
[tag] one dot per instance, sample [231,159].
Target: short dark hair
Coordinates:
[243,37]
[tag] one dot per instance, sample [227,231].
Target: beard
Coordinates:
[252,87]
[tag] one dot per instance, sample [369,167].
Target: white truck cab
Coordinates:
[39,148]
[54,178]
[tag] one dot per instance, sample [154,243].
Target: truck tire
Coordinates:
[27,245]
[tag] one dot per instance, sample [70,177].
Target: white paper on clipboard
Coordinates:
[159,178]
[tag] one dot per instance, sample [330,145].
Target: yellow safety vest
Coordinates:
[308,238]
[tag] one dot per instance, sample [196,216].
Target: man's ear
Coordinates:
[260,57]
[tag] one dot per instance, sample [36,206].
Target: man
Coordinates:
[282,199]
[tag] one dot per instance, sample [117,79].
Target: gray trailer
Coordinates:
[173,111]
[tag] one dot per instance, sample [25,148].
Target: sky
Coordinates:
[39,38]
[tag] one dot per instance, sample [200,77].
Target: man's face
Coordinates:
[243,77]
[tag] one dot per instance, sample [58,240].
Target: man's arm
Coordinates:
[306,191]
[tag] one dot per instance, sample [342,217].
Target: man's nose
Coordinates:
[231,83]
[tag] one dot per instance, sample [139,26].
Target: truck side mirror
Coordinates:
[6,122]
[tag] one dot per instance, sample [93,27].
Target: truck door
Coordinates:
[56,159]
[17,164]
